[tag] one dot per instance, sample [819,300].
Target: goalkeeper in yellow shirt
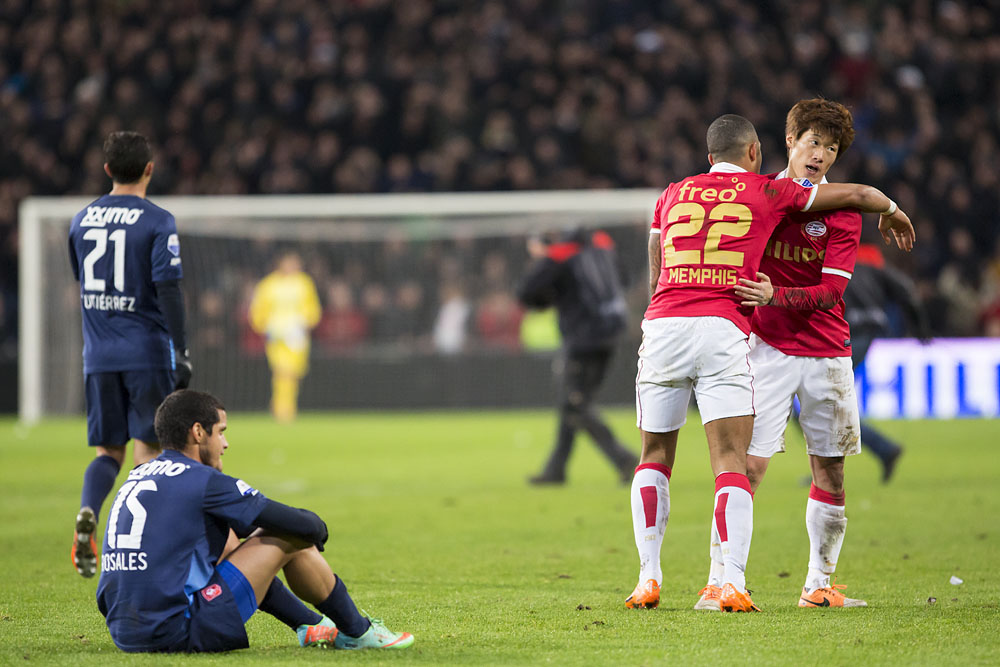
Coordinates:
[285,307]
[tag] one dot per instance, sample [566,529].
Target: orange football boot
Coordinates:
[321,635]
[829,596]
[731,600]
[709,600]
[84,551]
[645,595]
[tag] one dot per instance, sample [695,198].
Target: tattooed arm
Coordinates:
[823,296]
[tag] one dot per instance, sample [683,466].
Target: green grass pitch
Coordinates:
[434,529]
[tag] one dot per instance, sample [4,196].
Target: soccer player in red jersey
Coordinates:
[801,346]
[708,232]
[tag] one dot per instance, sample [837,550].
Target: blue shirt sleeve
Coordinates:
[233,500]
[73,262]
[165,255]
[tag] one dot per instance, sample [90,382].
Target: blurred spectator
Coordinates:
[380,96]
[210,332]
[451,323]
[498,321]
[958,284]
[375,302]
[343,325]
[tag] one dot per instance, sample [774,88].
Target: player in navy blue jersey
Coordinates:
[125,253]
[163,587]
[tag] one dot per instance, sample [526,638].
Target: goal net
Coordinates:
[417,295]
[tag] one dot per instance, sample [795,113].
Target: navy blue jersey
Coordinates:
[118,247]
[166,531]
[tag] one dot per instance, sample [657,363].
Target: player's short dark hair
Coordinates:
[728,136]
[823,116]
[126,154]
[180,411]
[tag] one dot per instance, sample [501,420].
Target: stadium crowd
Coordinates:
[299,96]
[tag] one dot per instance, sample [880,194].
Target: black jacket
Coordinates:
[873,287]
[579,277]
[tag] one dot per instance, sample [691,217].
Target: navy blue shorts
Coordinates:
[219,611]
[121,406]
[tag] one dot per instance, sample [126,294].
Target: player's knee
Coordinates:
[577,399]
[117,452]
[756,468]
[287,543]
[828,473]
[576,402]
[658,447]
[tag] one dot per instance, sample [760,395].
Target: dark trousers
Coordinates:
[580,378]
[881,446]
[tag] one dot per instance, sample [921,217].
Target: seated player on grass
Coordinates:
[163,587]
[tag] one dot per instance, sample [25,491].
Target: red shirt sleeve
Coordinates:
[658,210]
[823,296]
[788,196]
[845,238]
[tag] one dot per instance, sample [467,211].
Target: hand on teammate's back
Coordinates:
[182,371]
[755,293]
[897,226]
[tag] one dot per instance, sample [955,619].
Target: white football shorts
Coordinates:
[825,387]
[678,354]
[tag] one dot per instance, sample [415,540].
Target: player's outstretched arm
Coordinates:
[893,223]
[286,520]
[897,225]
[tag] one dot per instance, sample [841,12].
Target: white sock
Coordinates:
[826,525]
[650,511]
[717,568]
[734,521]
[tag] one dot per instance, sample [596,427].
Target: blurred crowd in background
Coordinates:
[402,295]
[344,96]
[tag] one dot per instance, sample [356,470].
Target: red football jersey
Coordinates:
[804,246]
[713,230]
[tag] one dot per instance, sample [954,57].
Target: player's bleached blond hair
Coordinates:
[823,116]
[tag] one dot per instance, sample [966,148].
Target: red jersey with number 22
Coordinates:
[713,230]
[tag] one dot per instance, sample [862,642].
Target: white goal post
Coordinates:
[327,218]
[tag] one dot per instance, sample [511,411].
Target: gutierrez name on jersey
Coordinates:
[125,304]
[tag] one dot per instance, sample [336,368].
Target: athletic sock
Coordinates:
[717,569]
[650,511]
[826,525]
[284,606]
[285,397]
[734,521]
[342,611]
[98,480]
